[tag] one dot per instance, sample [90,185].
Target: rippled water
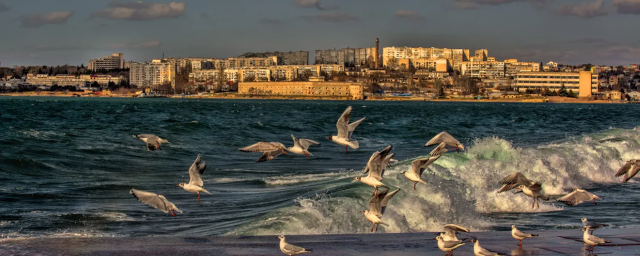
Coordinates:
[67,164]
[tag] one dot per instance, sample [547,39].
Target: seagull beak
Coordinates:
[284,151]
[177,185]
[327,138]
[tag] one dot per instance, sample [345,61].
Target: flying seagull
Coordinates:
[417,168]
[153,141]
[629,169]
[195,178]
[451,231]
[156,201]
[377,205]
[479,251]
[269,150]
[523,185]
[301,146]
[519,235]
[376,169]
[592,225]
[447,139]
[592,240]
[578,196]
[448,246]
[345,129]
[290,249]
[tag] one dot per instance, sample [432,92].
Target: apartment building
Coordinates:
[115,61]
[584,82]
[152,74]
[284,58]
[273,73]
[455,56]
[341,90]
[72,80]
[513,67]
[349,57]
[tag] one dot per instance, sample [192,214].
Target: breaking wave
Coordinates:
[462,187]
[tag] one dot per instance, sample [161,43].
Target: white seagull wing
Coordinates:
[195,172]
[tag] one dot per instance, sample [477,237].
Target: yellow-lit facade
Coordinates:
[584,83]
[350,91]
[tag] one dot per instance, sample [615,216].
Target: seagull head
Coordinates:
[163,141]
[439,238]
[583,219]
[474,240]
[513,226]
[180,185]
[281,237]
[357,178]
[460,147]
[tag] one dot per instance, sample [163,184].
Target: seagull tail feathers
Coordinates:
[535,235]
[205,191]
[355,144]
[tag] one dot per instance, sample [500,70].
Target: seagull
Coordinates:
[523,185]
[479,251]
[439,150]
[377,205]
[345,130]
[417,168]
[153,141]
[517,234]
[592,225]
[629,170]
[447,139]
[156,201]
[451,231]
[578,196]
[269,150]
[376,169]
[592,240]
[301,146]
[448,246]
[290,249]
[195,178]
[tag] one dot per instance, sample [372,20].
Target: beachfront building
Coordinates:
[284,58]
[264,74]
[391,55]
[152,74]
[115,61]
[349,57]
[584,82]
[314,88]
[72,80]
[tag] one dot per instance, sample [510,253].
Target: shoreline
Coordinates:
[625,241]
[552,99]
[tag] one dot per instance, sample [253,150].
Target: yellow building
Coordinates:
[584,83]
[341,90]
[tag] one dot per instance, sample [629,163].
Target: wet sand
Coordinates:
[563,242]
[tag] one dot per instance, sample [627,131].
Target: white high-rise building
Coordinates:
[151,74]
[115,61]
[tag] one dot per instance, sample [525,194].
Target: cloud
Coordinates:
[475,4]
[269,21]
[334,17]
[147,44]
[39,20]
[627,6]
[409,15]
[4,8]
[141,11]
[315,4]
[585,10]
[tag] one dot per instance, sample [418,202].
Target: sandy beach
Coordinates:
[561,242]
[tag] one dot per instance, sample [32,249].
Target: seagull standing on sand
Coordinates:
[290,249]
[451,231]
[153,141]
[417,168]
[592,225]
[448,246]
[376,169]
[377,205]
[592,240]
[578,196]
[156,201]
[195,178]
[444,140]
[519,235]
[629,169]
[479,251]
[523,185]
[301,146]
[345,130]
[269,150]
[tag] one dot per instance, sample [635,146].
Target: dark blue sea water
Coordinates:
[67,165]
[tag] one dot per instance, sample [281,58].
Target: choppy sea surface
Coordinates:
[67,165]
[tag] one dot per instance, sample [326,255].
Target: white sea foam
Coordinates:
[462,187]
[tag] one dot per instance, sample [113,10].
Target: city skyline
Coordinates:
[74,31]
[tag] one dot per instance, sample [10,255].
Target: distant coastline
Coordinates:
[551,99]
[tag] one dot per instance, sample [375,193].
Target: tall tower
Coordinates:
[377,53]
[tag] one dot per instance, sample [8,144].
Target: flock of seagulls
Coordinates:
[375,169]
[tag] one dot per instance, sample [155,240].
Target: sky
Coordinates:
[58,32]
